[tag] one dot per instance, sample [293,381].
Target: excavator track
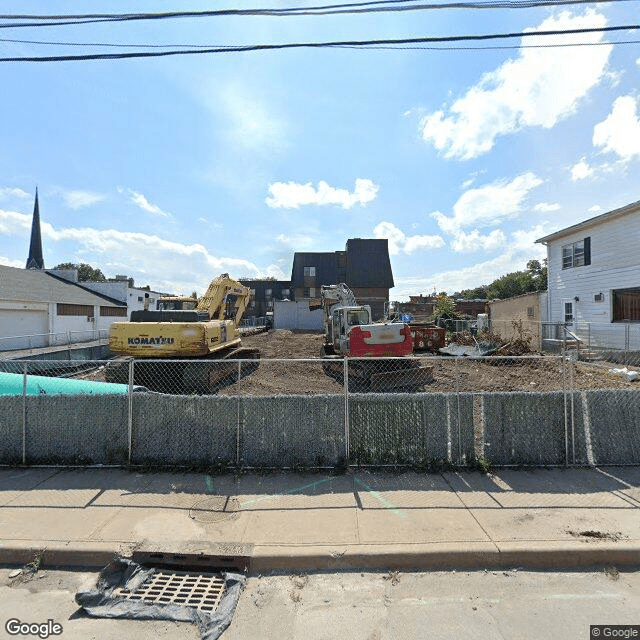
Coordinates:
[194,376]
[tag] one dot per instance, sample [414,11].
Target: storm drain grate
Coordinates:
[202,591]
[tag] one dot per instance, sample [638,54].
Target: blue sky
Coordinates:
[173,170]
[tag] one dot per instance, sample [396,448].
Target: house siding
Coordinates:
[615,264]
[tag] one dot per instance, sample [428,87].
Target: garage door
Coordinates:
[23,329]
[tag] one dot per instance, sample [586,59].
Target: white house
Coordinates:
[51,310]
[120,289]
[594,277]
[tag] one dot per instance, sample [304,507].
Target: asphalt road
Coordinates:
[370,606]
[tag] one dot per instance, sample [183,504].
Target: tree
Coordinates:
[534,278]
[444,312]
[445,308]
[86,273]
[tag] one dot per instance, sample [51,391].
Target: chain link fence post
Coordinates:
[456,375]
[626,343]
[564,395]
[24,415]
[130,413]
[345,375]
[572,388]
[238,418]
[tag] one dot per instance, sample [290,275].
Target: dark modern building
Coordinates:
[364,266]
[263,293]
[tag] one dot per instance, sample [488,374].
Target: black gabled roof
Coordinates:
[326,265]
[368,263]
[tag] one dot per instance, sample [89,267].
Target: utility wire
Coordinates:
[354,7]
[364,46]
[513,46]
[316,45]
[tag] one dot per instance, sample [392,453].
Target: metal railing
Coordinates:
[421,412]
[614,343]
[62,338]
[253,321]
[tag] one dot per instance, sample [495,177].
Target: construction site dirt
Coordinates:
[290,364]
[532,373]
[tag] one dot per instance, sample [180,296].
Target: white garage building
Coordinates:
[38,309]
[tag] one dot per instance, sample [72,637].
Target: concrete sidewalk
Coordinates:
[532,519]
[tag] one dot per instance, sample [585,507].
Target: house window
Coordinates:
[568,312]
[120,312]
[285,292]
[530,312]
[576,254]
[74,310]
[268,292]
[140,298]
[308,292]
[626,305]
[309,272]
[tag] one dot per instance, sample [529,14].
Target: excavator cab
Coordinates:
[176,303]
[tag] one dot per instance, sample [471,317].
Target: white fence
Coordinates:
[39,340]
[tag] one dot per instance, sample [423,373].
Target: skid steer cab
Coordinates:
[352,333]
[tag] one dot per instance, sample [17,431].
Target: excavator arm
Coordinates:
[225,299]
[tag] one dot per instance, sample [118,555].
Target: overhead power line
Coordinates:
[331,9]
[317,45]
[558,45]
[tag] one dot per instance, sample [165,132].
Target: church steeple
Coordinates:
[35,259]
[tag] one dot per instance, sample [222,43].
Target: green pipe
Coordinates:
[12,384]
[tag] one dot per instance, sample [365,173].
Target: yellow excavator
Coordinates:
[193,340]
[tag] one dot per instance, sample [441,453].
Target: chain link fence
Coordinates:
[416,411]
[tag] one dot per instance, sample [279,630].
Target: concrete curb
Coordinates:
[425,557]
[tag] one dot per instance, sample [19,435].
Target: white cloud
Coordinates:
[619,132]
[467,242]
[400,242]
[172,266]
[489,204]
[18,264]
[539,88]
[292,195]
[546,207]
[12,192]
[141,201]
[77,199]
[581,170]
[594,209]
[12,222]
[520,249]
[299,240]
